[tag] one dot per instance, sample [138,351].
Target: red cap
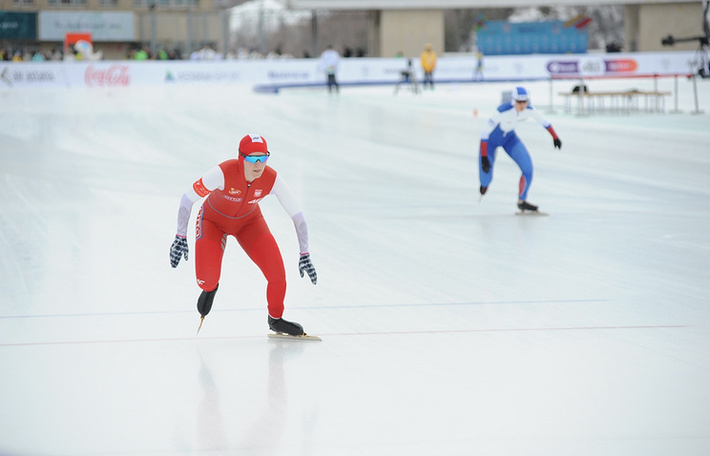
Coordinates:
[253,143]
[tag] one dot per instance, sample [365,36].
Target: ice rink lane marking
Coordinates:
[352,306]
[345,334]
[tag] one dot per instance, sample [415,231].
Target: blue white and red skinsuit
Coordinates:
[231,208]
[500,131]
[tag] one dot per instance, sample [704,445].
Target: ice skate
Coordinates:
[528,209]
[525,206]
[284,329]
[204,305]
[282,326]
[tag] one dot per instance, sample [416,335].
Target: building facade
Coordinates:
[117,27]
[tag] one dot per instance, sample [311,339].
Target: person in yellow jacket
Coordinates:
[428,59]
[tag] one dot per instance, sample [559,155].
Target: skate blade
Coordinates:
[283,336]
[531,213]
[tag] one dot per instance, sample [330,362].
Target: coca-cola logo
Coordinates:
[115,75]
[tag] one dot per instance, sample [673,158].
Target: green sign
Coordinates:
[18,25]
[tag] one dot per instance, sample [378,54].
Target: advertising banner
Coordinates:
[16,75]
[272,75]
[549,37]
[116,26]
[18,26]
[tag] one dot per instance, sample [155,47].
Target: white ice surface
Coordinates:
[450,326]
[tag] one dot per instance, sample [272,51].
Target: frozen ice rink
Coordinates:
[450,326]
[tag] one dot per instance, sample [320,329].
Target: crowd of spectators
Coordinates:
[145,53]
[10,55]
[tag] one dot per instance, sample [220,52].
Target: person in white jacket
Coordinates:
[329,60]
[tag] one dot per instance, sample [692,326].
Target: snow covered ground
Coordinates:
[449,325]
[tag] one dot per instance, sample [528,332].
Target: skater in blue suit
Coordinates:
[500,131]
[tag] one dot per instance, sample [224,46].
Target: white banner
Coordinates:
[272,75]
[118,26]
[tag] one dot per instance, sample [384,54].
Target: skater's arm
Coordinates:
[555,140]
[487,130]
[290,204]
[548,126]
[491,125]
[212,180]
[535,114]
[552,132]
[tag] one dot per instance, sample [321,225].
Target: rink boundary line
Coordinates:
[457,331]
[331,307]
[372,333]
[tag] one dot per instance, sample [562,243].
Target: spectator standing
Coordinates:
[329,60]
[428,60]
[478,76]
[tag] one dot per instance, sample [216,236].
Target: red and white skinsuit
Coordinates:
[232,208]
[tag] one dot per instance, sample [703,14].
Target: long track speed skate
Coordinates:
[284,329]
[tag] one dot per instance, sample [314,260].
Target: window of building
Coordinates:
[67,3]
[164,3]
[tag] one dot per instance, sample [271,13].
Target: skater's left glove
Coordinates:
[305,265]
[557,143]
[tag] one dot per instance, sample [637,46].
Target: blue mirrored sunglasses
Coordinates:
[256,158]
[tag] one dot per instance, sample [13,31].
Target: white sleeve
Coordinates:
[293,209]
[539,118]
[212,180]
[490,125]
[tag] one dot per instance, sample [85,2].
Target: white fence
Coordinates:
[271,75]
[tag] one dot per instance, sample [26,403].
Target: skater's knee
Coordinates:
[207,284]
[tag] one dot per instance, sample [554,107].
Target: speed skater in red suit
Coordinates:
[233,190]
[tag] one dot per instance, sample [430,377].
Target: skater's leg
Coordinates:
[258,242]
[260,245]
[519,153]
[208,262]
[210,241]
[209,250]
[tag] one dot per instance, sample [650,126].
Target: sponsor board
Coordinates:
[29,75]
[116,75]
[353,71]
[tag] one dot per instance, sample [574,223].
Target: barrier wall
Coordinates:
[272,75]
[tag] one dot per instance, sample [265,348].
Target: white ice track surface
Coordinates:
[450,326]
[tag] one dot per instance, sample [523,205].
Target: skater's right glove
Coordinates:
[485,164]
[305,265]
[178,249]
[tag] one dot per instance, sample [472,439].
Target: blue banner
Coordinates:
[552,37]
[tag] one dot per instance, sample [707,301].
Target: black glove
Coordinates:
[305,265]
[557,143]
[485,164]
[178,249]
